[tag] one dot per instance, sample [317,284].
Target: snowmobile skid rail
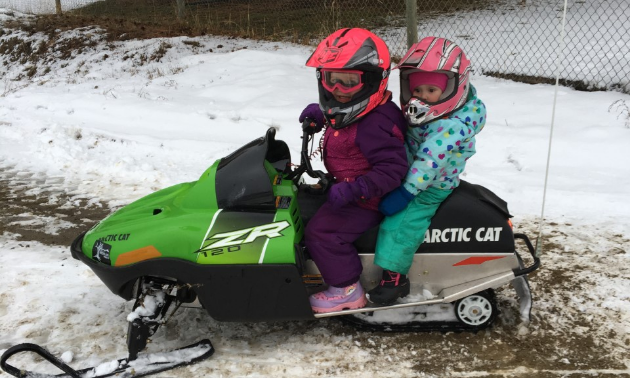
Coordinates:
[142,366]
[518,278]
[364,324]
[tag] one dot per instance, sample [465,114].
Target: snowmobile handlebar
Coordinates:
[309,128]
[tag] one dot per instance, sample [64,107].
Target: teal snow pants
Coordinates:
[401,234]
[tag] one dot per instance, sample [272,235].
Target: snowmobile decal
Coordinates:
[477,260]
[237,237]
[230,238]
[140,254]
[100,252]
[482,234]
[283,202]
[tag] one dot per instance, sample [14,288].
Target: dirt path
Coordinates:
[577,329]
[38,208]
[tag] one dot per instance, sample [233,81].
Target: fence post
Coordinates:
[180,9]
[58,6]
[412,22]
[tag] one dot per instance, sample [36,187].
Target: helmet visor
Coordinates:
[344,80]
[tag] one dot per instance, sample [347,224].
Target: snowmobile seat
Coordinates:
[471,210]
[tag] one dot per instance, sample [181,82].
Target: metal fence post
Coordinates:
[412,22]
[180,9]
[58,6]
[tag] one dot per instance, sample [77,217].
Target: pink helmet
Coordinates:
[435,55]
[357,51]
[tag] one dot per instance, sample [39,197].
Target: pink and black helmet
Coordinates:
[353,50]
[438,55]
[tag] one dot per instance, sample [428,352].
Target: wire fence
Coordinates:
[515,39]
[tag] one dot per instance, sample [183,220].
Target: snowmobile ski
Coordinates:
[144,365]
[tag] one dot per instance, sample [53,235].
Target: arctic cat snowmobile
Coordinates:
[232,243]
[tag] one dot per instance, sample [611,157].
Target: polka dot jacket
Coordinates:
[438,151]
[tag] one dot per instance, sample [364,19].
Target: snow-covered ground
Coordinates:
[111,126]
[42,6]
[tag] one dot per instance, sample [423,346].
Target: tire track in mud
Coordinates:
[38,208]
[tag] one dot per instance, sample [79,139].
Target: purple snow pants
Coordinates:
[329,236]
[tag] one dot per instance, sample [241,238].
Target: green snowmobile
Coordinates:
[232,243]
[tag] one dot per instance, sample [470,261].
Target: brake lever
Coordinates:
[322,184]
[323,180]
[310,126]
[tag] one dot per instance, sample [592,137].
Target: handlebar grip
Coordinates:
[310,126]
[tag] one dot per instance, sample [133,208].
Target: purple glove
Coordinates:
[315,114]
[344,193]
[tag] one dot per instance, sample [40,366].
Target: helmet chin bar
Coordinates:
[416,111]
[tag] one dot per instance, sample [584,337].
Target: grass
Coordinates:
[299,21]
[622,109]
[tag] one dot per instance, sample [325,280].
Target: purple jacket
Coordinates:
[372,148]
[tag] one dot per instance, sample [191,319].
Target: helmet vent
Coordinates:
[156,211]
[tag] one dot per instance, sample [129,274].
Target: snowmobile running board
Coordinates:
[144,365]
[449,295]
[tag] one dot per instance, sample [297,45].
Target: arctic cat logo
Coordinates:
[239,237]
[100,252]
[482,234]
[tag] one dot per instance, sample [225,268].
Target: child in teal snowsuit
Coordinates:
[444,115]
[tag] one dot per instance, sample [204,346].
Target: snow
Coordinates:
[67,357]
[42,6]
[112,129]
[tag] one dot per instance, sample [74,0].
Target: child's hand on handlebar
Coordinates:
[312,119]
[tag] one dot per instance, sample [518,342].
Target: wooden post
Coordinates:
[58,5]
[412,22]
[180,9]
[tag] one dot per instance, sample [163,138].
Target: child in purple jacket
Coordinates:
[363,148]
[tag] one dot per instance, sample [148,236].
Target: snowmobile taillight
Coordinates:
[510,224]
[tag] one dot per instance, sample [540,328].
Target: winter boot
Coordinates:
[338,298]
[393,286]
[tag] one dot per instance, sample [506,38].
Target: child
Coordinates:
[363,148]
[444,115]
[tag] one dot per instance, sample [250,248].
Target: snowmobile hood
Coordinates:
[237,194]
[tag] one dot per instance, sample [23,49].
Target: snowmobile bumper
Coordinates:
[520,283]
[522,271]
[240,293]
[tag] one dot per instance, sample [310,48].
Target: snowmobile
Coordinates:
[232,243]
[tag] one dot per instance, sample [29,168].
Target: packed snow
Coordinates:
[107,127]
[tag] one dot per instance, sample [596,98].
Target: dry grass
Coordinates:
[287,20]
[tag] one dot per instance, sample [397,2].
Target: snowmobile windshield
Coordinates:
[242,181]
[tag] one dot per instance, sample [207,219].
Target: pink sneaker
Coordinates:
[338,298]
